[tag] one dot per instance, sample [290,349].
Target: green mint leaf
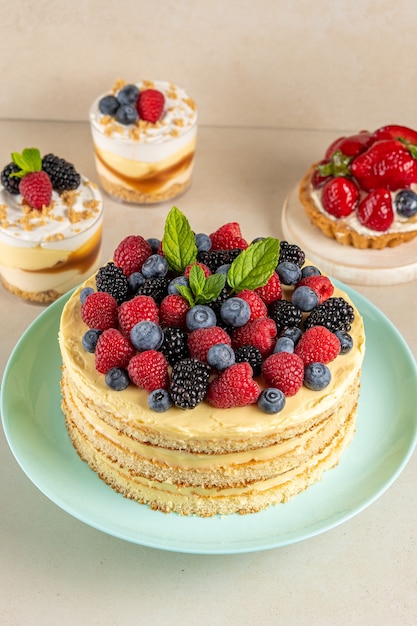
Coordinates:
[254,266]
[197,280]
[186,293]
[212,288]
[178,243]
[29,161]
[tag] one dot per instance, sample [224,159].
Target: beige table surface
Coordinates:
[55,569]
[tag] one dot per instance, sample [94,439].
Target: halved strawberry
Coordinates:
[351,145]
[386,164]
[375,210]
[340,196]
[394,131]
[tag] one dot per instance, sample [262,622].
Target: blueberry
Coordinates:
[271,400]
[90,338]
[159,400]
[126,114]
[108,105]
[316,376]
[200,316]
[305,298]
[146,335]
[84,293]
[178,280]
[284,344]
[235,312]
[405,203]
[223,269]
[128,94]
[346,341]
[154,242]
[203,242]
[220,356]
[136,280]
[117,378]
[310,270]
[155,266]
[289,273]
[293,332]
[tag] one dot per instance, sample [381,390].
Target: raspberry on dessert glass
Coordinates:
[144,138]
[50,226]
[363,193]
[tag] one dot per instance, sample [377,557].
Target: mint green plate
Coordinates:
[385,438]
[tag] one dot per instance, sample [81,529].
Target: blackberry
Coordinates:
[217,303]
[174,346]
[250,354]
[112,279]
[157,288]
[63,175]
[10,183]
[292,253]
[284,314]
[215,258]
[333,313]
[189,383]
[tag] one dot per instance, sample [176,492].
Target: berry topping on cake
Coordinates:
[387,163]
[318,344]
[234,387]
[189,383]
[149,370]
[99,311]
[150,105]
[36,189]
[8,179]
[113,349]
[285,371]
[217,337]
[131,253]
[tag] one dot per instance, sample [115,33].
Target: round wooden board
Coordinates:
[361,267]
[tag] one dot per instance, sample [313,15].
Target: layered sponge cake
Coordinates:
[363,192]
[205,375]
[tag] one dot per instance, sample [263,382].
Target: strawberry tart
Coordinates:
[363,193]
[144,137]
[50,226]
[205,375]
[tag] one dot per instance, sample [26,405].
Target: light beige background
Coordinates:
[330,64]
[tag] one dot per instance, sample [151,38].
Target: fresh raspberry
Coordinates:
[131,253]
[234,387]
[260,333]
[228,237]
[139,309]
[201,340]
[271,291]
[99,311]
[150,105]
[112,350]
[149,370]
[322,285]
[36,189]
[205,269]
[256,304]
[173,311]
[318,344]
[285,371]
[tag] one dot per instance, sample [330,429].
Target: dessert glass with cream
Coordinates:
[140,161]
[45,252]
